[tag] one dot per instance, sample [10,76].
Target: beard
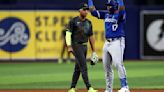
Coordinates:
[83,15]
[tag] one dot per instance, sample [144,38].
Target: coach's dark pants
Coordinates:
[80,52]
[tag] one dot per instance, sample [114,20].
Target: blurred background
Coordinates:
[41,38]
[46,28]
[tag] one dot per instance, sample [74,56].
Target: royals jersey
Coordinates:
[114,23]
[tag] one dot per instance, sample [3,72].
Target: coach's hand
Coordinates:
[94,58]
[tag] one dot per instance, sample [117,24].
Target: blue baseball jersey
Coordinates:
[114,23]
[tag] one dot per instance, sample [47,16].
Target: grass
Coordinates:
[146,75]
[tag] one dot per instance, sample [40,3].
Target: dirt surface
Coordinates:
[80,90]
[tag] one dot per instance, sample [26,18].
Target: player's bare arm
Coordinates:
[94,12]
[92,43]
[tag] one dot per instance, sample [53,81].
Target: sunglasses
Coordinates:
[84,9]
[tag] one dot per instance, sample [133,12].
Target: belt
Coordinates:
[81,43]
[112,39]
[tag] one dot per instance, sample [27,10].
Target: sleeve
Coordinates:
[70,26]
[121,2]
[69,33]
[122,16]
[91,29]
[90,3]
[98,14]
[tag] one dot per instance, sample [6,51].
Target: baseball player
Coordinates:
[113,50]
[78,33]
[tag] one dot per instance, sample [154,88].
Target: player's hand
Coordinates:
[91,5]
[94,58]
[70,49]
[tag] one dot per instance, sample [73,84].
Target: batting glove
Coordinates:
[94,58]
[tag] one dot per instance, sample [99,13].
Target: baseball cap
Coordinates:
[84,6]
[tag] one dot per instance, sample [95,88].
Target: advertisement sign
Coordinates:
[152,34]
[31,34]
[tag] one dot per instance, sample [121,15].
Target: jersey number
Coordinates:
[114,27]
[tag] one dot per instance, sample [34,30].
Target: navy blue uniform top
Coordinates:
[114,23]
